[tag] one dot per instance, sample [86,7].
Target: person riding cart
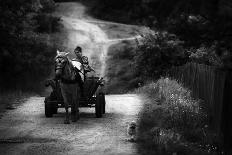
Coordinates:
[82,59]
[68,87]
[81,64]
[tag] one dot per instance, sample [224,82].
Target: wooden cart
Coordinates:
[93,97]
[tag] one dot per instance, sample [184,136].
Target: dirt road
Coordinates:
[25,130]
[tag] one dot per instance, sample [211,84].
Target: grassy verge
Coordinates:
[10,100]
[173,122]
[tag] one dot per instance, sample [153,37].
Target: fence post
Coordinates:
[226,124]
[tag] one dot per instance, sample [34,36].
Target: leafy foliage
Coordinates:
[25,54]
[157,52]
[196,22]
[206,55]
[47,23]
[48,6]
[171,118]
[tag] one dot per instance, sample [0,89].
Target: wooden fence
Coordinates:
[214,87]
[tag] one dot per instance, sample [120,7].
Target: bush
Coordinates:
[158,52]
[120,71]
[27,63]
[47,23]
[209,55]
[25,55]
[183,111]
[172,121]
[48,6]
[194,22]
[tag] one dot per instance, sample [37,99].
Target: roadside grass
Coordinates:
[9,100]
[119,71]
[171,121]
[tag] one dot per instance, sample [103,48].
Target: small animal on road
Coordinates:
[131,131]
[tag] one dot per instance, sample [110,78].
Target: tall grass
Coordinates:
[172,121]
[10,99]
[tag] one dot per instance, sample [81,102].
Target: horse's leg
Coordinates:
[78,97]
[75,104]
[66,121]
[66,103]
[73,109]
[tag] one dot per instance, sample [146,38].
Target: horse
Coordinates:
[69,80]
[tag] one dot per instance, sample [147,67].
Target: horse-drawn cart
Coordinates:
[93,97]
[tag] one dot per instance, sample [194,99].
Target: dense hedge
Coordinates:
[157,52]
[25,53]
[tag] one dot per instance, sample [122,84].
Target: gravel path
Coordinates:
[26,130]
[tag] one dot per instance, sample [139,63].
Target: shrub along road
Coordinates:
[26,130]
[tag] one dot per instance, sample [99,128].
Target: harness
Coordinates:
[77,78]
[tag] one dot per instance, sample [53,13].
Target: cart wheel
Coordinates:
[48,108]
[98,106]
[54,110]
[103,100]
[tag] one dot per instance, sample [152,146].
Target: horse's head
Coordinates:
[61,61]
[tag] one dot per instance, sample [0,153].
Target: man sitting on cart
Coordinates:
[81,63]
